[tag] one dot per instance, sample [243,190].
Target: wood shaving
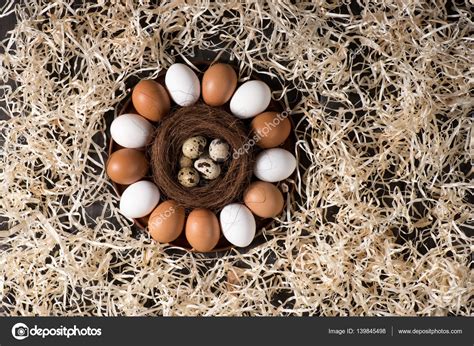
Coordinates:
[381,218]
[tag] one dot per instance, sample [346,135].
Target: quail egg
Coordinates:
[219,150]
[193,147]
[208,168]
[188,177]
[185,161]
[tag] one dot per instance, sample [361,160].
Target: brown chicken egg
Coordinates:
[166,222]
[127,166]
[151,100]
[263,199]
[218,84]
[271,128]
[202,230]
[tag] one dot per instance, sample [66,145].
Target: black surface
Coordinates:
[6,23]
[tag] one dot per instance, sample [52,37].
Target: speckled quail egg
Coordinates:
[185,162]
[208,168]
[193,147]
[219,150]
[188,177]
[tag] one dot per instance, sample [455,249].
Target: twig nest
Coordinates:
[211,123]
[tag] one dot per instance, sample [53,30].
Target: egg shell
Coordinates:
[127,166]
[238,224]
[263,199]
[218,84]
[151,100]
[202,230]
[131,130]
[208,168]
[219,150]
[271,129]
[166,222]
[250,99]
[193,147]
[139,199]
[274,165]
[188,177]
[182,84]
[185,162]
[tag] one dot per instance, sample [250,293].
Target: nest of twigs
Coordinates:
[201,120]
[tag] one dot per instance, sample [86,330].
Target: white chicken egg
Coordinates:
[250,99]
[182,84]
[274,165]
[131,130]
[238,224]
[139,199]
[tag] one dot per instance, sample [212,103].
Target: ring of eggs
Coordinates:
[166,219]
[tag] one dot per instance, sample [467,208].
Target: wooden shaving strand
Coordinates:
[381,218]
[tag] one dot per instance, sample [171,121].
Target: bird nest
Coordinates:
[210,122]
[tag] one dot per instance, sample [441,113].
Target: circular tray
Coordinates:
[181,242]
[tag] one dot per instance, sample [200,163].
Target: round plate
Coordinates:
[181,242]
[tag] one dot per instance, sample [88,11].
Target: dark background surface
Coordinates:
[6,23]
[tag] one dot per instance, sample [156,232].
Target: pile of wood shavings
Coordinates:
[381,217]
